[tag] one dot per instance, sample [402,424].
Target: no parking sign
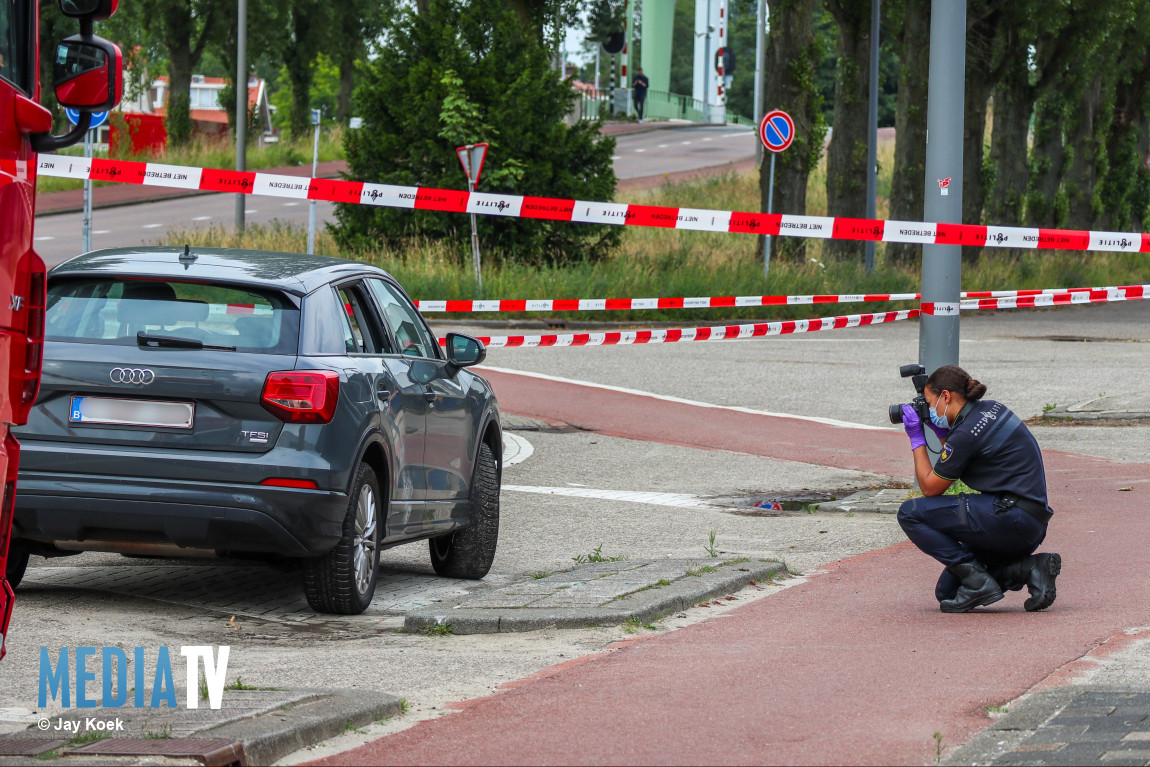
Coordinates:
[777,130]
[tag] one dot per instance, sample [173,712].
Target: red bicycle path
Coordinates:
[854,666]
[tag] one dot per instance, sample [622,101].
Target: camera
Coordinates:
[917,376]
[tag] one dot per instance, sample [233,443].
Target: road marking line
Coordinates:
[42,239]
[733,135]
[202,218]
[290,204]
[678,500]
[663,146]
[616,157]
[102,231]
[640,150]
[707,139]
[516,449]
[684,143]
[151,226]
[681,401]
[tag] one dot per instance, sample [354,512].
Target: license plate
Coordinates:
[132,412]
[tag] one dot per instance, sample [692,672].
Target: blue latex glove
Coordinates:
[912,425]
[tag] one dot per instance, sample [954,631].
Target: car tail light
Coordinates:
[302,484]
[301,396]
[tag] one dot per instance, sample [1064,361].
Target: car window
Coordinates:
[362,331]
[411,332]
[112,311]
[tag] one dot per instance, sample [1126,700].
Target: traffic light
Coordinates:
[727,56]
[614,43]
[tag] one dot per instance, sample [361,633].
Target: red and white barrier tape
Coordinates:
[1061,298]
[706,302]
[515,206]
[717,333]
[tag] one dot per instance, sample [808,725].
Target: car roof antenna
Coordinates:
[187,257]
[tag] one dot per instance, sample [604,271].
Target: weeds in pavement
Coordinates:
[349,727]
[163,734]
[631,625]
[710,547]
[541,574]
[938,747]
[703,569]
[738,561]
[403,705]
[91,736]
[1049,406]
[956,488]
[438,630]
[596,555]
[991,709]
[239,685]
[203,689]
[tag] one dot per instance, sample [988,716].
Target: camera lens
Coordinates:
[895,413]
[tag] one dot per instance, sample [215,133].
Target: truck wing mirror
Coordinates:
[89,74]
[91,10]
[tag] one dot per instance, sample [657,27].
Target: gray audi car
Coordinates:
[255,404]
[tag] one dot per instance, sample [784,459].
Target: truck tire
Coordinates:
[343,580]
[468,553]
[17,563]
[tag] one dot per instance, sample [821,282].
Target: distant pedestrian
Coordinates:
[986,540]
[639,91]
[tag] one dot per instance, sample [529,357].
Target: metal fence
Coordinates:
[660,105]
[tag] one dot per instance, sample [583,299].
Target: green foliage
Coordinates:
[462,73]
[178,120]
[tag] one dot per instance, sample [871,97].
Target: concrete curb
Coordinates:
[643,603]
[884,501]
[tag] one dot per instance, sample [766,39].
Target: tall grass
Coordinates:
[217,152]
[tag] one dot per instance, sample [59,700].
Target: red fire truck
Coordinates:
[88,74]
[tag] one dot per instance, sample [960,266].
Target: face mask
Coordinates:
[939,420]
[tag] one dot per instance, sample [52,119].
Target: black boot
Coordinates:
[1040,583]
[1013,576]
[977,588]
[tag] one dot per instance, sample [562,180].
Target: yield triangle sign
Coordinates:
[471,158]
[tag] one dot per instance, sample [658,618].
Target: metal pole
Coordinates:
[707,65]
[311,205]
[872,131]
[86,226]
[942,264]
[474,237]
[241,105]
[760,68]
[770,209]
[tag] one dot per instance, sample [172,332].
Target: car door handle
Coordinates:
[429,395]
[383,392]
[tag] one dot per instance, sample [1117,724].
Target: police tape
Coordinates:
[1039,300]
[580,211]
[716,333]
[1047,297]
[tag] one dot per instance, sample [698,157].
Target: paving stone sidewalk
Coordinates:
[1077,725]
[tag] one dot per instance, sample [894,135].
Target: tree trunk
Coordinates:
[792,56]
[907,202]
[1013,106]
[1044,203]
[178,29]
[1082,174]
[980,80]
[847,154]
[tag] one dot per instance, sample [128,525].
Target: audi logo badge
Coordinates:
[138,376]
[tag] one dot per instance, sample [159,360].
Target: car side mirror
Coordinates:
[464,351]
[90,10]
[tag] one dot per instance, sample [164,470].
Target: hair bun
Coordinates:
[975,389]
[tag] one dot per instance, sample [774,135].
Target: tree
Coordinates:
[792,55]
[847,153]
[356,25]
[308,27]
[266,27]
[907,201]
[460,73]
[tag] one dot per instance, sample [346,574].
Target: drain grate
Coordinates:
[27,746]
[211,752]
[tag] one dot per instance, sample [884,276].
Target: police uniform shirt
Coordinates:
[992,451]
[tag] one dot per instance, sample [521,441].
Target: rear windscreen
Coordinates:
[114,311]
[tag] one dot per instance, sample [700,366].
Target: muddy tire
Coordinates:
[17,563]
[468,552]
[343,580]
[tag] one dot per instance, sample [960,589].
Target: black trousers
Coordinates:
[958,528]
[640,102]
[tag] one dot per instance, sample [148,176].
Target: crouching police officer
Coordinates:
[986,541]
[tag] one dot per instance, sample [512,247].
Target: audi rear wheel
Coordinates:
[343,580]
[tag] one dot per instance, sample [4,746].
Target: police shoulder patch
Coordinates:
[947,450]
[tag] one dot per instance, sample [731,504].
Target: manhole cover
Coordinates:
[27,746]
[212,752]
[774,504]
